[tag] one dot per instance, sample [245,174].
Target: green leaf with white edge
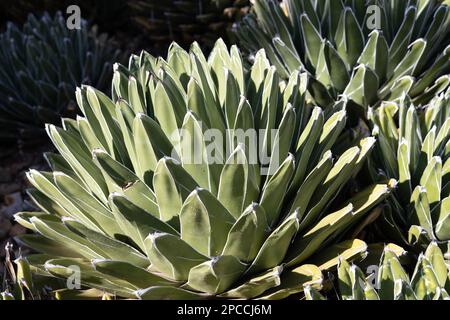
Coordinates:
[56,231]
[168,293]
[311,183]
[349,250]
[66,268]
[442,228]
[275,189]
[351,281]
[194,154]
[349,37]
[51,247]
[79,159]
[305,146]
[277,244]
[172,185]
[306,245]
[431,180]
[87,203]
[252,224]
[294,282]
[165,113]
[151,144]
[375,54]
[338,175]
[135,275]
[123,181]
[312,39]
[256,285]
[115,249]
[238,187]
[422,213]
[205,223]
[136,223]
[172,256]
[283,138]
[436,258]
[45,183]
[217,275]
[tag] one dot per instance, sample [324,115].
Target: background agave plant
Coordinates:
[416,152]
[430,280]
[186,21]
[367,51]
[126,205]
[108,15]
[42,64]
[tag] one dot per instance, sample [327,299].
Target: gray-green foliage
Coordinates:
[42,64]
[429,281]
[414,148]
[126,204]
[367,51]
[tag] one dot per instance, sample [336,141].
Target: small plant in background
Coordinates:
[416,152]
[366,51]
[42,63]
[186,21]
[108,15]
[126,205]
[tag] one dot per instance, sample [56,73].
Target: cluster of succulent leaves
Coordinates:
[429,281]
[416,152]
[42,64]
[125,203]
[333,40]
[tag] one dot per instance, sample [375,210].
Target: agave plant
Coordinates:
[367,51]
[185,21]
[128,206]
[416,152]
[430,280]
[41,66]
[108,15]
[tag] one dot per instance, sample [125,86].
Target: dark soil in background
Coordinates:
[14,163]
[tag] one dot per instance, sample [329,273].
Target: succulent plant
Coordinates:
[127,206]
[187,21]
[429,281]
[413,147]
[108,15]
[42,64]
[367,51]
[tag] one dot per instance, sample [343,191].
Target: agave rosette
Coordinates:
[367,51]
[42,64]
[413,147]
[126,204]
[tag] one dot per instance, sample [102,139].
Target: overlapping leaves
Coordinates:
[126,204]
[413,147]
[430,280]
[42,64]
[368,51]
